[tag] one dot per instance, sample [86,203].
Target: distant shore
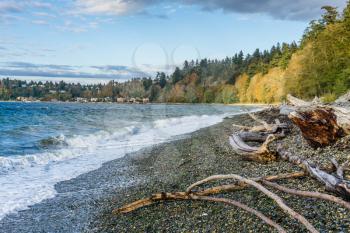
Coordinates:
[85,204]
[234,104]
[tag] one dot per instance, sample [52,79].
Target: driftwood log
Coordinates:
[333,183]
[264,133]
[320,125]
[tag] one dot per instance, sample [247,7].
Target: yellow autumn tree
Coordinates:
[267,88]
[241,85]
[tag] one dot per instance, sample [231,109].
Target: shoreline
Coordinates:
[85,203]
[165,103]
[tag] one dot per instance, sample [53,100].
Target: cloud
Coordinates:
[112,7]
[15,10]
[279,9]
[40,22]
[62,71]
[110,68]
[10,7]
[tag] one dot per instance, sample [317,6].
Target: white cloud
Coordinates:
[10,6]
[40,22]
[108,7]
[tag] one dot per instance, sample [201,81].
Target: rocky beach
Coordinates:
[85,204]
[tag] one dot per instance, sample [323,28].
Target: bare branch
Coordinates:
[244,207]
[317,195]
[261,188]
[161,197]
[241,185]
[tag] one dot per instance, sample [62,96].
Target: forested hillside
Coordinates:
[318,65]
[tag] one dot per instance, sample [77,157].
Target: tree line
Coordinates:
[318,65]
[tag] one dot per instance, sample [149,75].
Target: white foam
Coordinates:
[26,180]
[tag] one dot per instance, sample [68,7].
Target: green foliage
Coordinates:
[329,98]
[325,68]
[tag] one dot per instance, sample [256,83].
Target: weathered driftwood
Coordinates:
[279,201]
[318,125]
[246,208]
[321,125]
[195,196]
[240,185]
[264,133]
[332,183]
[316,195]
[343,99]
[263,126]
[206,192]
[252,153]
[182,196]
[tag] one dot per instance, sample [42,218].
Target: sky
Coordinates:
[94,40]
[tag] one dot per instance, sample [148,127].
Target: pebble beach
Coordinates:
[85,204]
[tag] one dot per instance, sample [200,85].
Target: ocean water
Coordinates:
[42,144]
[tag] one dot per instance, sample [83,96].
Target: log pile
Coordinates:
[319,124]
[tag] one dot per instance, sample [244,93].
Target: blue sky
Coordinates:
[120,39]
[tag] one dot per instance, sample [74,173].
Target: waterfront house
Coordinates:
[120,100]
[145,100]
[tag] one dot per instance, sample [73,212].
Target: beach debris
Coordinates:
[343,99]
[278,200]
[265,134]
[333,183]
[321,125]
[318,125]
[204,195]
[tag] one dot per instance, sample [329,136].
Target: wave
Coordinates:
[33,177]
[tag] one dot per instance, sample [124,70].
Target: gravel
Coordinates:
[84,204]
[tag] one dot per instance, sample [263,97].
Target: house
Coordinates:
[108,99]
[94,100]
[145,100]
[81,100]
[120,100]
